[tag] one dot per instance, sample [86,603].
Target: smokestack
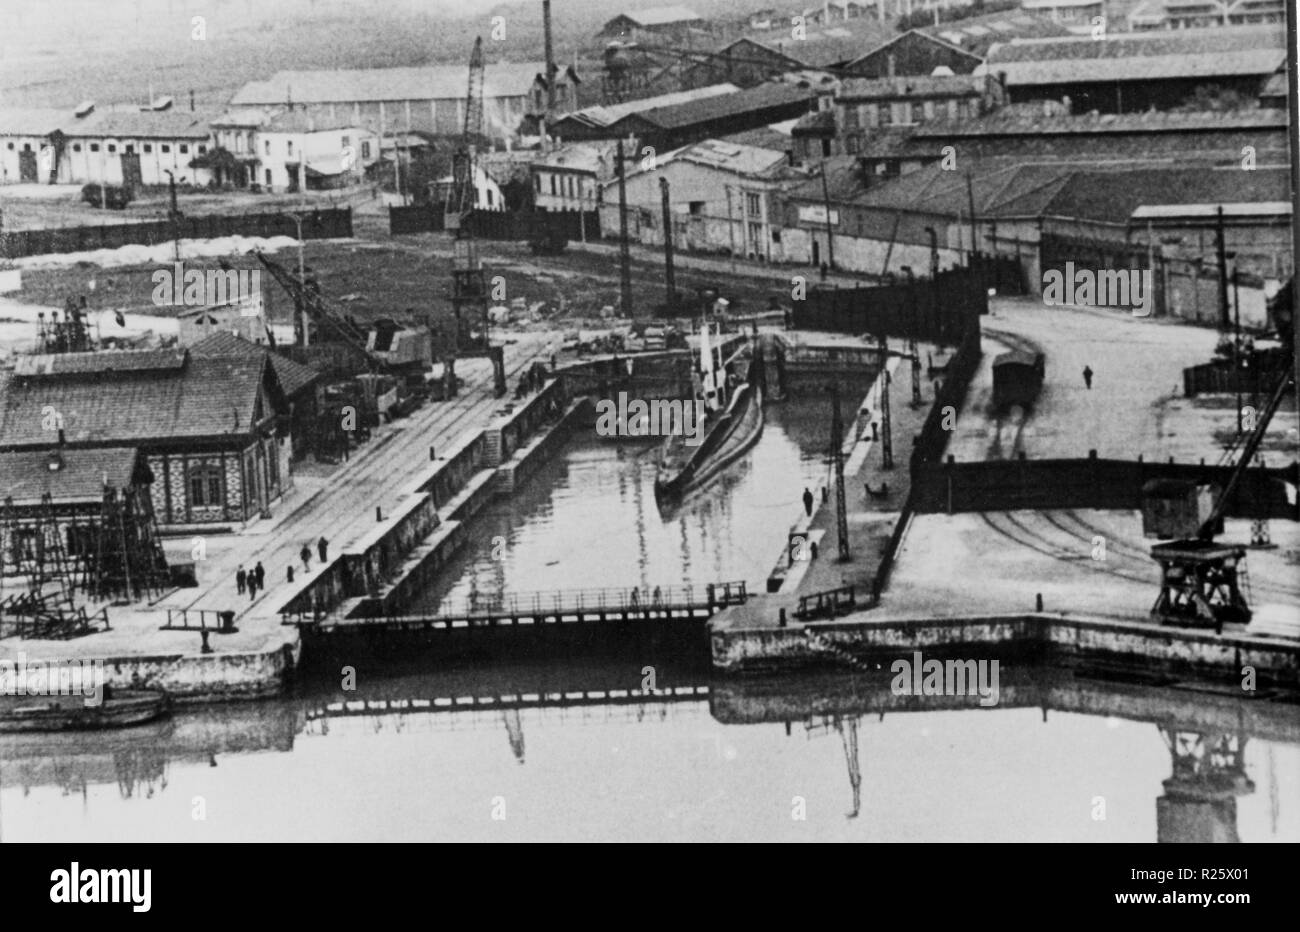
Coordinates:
[551,67]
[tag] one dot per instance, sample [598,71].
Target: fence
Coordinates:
[1256,378]
[1011,485]
[499,224]
[328,223]
[938,310]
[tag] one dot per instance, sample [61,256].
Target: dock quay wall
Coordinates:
[1143,645]
[196,677]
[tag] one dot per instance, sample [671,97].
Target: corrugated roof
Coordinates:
[1029,120]
[664,16]
[292,376]
[713,108]
[435,82]
[209,397]
[1176,53]
[946,85]
[139,124]
[609,114]
[26,476]
[54,365]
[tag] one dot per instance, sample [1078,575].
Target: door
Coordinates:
[817,252]
[132,178]
[27,166]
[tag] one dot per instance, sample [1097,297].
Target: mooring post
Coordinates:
[781,618]
[1038,602]
[206,648]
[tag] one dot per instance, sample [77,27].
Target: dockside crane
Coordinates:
[469,296]
[1202,582]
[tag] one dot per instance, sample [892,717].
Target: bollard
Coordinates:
[432,453]
[227,621]
[1038,602]
[781,619]
[379,513]
[206,648]
[875,432]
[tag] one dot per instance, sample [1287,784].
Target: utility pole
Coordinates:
[837,458]
[624,250]
[911,341]
[1236,342]
[174,215]
[970,197]
[886,434]
[826,205]
[1224,322]
[669,280]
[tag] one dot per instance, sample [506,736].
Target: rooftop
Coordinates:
[26,475]
[609,114]
[948,85]
[293,376]
[139,124]
[1029,120]
[664,16]
[436,82]
[1177,53]
[717,107]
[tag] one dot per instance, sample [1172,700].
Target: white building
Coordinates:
[283,150]
[570,177]
[134,146]
[430,99]
[28,144]
[487,193]
[723,199]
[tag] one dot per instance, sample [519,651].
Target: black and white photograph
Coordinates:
[559,421]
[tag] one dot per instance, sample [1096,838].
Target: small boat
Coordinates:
[119,709]
[728,432]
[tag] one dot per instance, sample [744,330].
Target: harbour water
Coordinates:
[324,764]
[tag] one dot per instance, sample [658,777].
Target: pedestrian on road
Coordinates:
[260,572]
[322,547]
[252,587]
[241,580]
[290,572]
[807,501]
[1087,376]
[305,555]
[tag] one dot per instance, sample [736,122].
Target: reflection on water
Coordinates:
[741,761]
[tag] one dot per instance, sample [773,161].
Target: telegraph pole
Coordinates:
[669,280]
[1224,323]
[886,438]
[624,250]
[837,458]
[826,206]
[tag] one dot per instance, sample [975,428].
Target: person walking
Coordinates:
[305,555]
[322,548]
[260,572]
[241,580]
[290,572]
[252,587]
[807,501]
[1087,376]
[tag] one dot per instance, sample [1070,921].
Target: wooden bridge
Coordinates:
[537,609]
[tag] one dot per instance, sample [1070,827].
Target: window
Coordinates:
[165,147]
[290,148]
[697,208]
[239,143]
[553,193]
[753,207]
[268,177]
[130,148]
[94,147]
[537,183]
[184,149]
[76,146]
[886,115]
[347,140]
[202,149]
[148,147]
[489,196]
[928,109]
[266,146]
[851,144]
[365,149]
[27,147]
[112,147]
[205,486]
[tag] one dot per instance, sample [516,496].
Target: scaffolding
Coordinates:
[122,554]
